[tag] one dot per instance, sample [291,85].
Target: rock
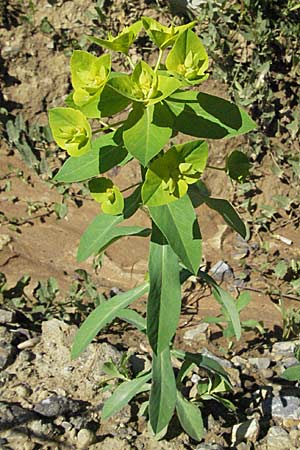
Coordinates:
[285,406]
[58,405]
[23,391]
[234,375]
[209,447]
[285,347]
[7,354]
[6,316]
[278,438]
[260,363]
[11,414]
[243,446]
[288,362]
[113,443]
[41,429]
[238,361]
[295,437]
[223,362]
[85,438]
[248,430]
[197,333]
[267,373]
[5,239]
[221,271]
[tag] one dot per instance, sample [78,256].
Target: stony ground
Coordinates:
[48,401]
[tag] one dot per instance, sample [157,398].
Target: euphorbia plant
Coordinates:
[158,102]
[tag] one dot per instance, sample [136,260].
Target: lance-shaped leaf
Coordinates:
[188,57]
[161,35]
[102,232]
[163,391]
[134,318]
[190,417]
[169,176]
[225,300]
[104,155]
[89,75]
[71,130]
[102,315]
[104,191]
[203,115]
[122,42]
[164,300]
[124,393]
[199,195]
[237,166]
[178,223]
[144,135]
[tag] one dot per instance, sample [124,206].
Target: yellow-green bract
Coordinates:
[145,85]
[89,75]
[122,42]
[188,58]
[168,176]
[71,130]
[161,35]
[108,194]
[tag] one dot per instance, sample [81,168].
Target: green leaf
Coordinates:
[223,207]
[102,232]
[104,155]
[105,192]
[227,301]
[122,42]
[79,168]
[123,394]
[102,315]
[164,300]
[206,362]
[178,222]
[143,138]
[206,116]
[188,57]
[243,300]
[111,102]
[237,166]
[169,175]
[71,130]
[163,391]
[134,318]
[190,417]
[292,373]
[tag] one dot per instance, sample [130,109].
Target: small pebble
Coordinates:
[267,373]
[260,363]
[248,431]
[85,438]
[23,391]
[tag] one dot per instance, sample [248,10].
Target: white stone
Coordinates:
[248,430]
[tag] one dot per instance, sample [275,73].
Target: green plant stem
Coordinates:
[222,169]
[130,62]
[158,60]
[129,187]
[108,127]
[266,292]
